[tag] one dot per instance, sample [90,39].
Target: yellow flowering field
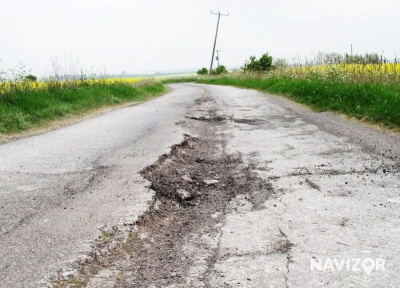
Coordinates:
[8,86]
[385,73]
[123,80]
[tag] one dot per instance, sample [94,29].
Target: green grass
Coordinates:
[186,79]
[23,109]
[375,102]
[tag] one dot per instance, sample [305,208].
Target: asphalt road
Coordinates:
[334,194]
[333,217]
[57,190]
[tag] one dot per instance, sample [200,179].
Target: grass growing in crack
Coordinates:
[76,281]
[121,278]
[106,237]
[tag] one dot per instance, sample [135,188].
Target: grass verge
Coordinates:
[25,109]
[375,102]
[185,79]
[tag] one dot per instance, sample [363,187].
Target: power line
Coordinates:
[215,40]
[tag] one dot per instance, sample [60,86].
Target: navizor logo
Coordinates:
[366,265]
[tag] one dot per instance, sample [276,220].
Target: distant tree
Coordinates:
[221,69]
[202,71]
[31,77]
[265,62]
[251,65]
[258,65]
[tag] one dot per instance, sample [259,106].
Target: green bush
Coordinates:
[221,69]
[258,65]
[31,77]
[202,71]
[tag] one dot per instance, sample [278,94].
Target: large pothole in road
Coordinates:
[193,183]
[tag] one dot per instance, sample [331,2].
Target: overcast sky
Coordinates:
[160,35]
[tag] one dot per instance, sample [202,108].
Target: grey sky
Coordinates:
[155,35]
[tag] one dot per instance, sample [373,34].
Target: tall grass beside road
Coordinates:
[25,104]
[179,79]
[367,92]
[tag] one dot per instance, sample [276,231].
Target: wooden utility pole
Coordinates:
[217,58]
[215,40]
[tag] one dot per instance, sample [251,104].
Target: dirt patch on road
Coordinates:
[153,254]
[210,181]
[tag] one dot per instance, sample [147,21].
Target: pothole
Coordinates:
[207,118]
[195,181]
[153,250]
[252,121]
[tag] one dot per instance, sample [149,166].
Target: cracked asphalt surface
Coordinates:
[290,187]
[336,191]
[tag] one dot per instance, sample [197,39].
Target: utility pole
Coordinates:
[351,47]
[217,58]
[215,41]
